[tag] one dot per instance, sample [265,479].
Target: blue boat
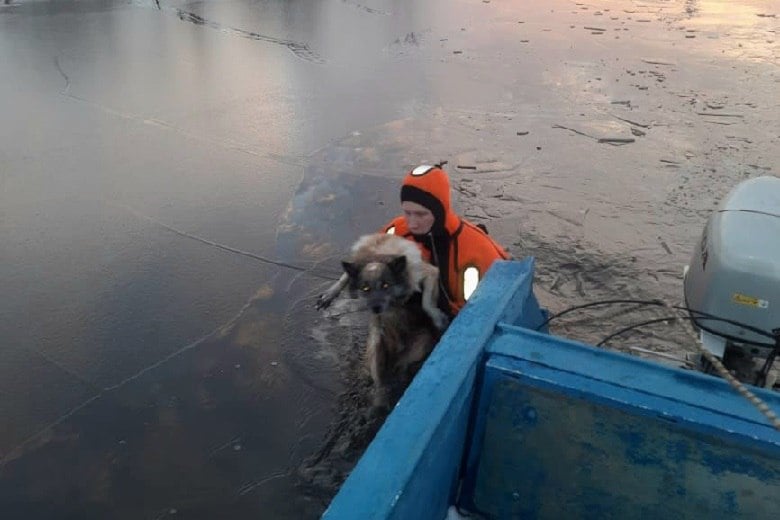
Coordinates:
[507,422]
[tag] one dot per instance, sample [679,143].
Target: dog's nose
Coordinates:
[376,309]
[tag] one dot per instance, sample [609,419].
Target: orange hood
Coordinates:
[429,186]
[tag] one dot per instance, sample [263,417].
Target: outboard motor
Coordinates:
[734,274]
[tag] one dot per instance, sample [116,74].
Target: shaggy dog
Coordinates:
[401,290]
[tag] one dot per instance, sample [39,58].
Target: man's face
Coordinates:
[419,219]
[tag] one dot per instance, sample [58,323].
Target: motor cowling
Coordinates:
[735,269]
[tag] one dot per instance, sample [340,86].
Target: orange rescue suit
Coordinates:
[469,246]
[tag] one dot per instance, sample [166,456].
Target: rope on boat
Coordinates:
[741,389]
[679,317]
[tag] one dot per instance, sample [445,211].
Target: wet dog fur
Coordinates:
[401,291]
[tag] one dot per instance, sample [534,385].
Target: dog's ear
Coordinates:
[397,265]
[351,268]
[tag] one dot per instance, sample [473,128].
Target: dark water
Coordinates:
[152,158]
[222,427]
[178,181]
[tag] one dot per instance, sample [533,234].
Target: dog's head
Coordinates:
[382,282]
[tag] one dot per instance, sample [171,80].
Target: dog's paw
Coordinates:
[324,301]
[440,320]
[380,400]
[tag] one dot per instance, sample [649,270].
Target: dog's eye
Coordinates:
[385,285]
[365,288]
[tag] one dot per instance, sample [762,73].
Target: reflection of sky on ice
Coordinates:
[264,127]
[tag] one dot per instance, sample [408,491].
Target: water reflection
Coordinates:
[152,372]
